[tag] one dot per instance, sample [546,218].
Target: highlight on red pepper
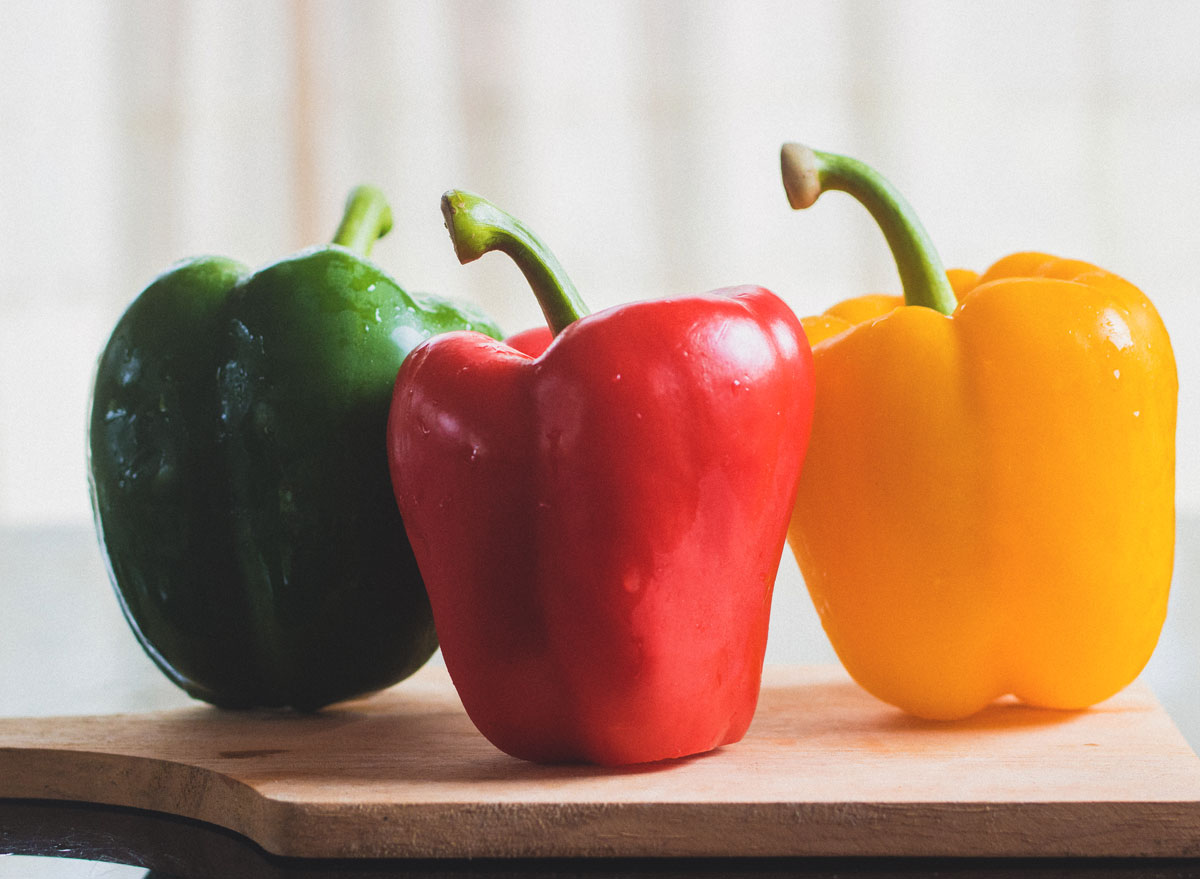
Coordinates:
[987,506]
[599,527]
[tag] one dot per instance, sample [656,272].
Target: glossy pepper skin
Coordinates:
[988,503]
[600,526]
[239,473]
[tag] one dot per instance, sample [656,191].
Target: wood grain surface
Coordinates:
[824,770]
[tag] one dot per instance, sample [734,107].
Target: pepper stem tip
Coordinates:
[462,212]
[801,175]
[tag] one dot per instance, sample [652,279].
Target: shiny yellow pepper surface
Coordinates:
[988,502]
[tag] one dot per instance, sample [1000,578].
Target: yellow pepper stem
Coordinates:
[807,173]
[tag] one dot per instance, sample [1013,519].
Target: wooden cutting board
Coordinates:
[825,770]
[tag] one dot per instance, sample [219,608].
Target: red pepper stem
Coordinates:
[367,219]
[477,226]
[807,173]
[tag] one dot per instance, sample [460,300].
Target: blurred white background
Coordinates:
[639,138]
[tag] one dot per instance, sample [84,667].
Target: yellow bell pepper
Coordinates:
[988,502]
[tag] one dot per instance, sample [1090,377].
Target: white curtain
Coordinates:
[639,138]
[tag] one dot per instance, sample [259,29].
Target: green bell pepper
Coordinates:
[239,474]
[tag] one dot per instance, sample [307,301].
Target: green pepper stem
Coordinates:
[367,218]
[807,173]
[477,226]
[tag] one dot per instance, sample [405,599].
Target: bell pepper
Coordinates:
[600,526]
[988,503]
[239,473]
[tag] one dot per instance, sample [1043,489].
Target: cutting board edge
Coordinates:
[957,830]
[1163,829]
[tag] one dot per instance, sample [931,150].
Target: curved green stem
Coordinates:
[477,226]
[807,173]
[367,219]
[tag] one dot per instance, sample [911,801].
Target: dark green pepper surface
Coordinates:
[239,473]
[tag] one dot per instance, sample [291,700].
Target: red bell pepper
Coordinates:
[599,527]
